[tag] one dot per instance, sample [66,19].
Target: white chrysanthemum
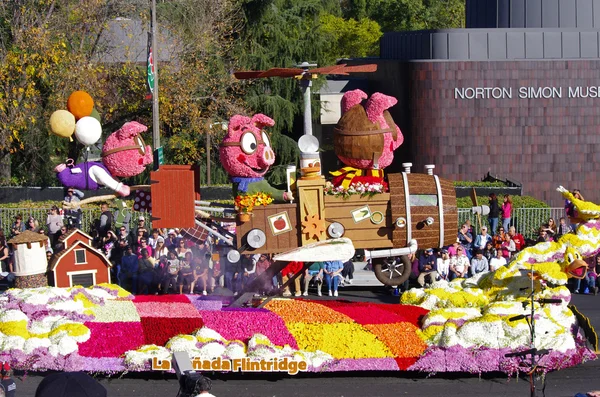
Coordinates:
[259,340]
[206,334]
[182,343]
[481,333]
[516,334]
[12,342]
[211,350]
[446,338]
[100,293]
[235,350]
[46,324]
[264,352]
[551,335]
[506,308]
[67,306]
[444,314]
[145,353]
[12,315]
[314,359]
[33,343]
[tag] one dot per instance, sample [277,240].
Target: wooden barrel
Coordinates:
[426,204]
[356,137]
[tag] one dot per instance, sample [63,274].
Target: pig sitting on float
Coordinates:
[246,155]
[365,139]
[124,154]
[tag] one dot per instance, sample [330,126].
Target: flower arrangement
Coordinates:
[363,189]
[245,203]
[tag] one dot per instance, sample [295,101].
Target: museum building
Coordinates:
[515,94]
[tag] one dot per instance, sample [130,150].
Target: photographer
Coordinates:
[73,216]
[54,223]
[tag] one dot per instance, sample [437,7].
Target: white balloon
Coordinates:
[88,130]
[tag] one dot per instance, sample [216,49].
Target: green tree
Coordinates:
[401,15]
[351,38]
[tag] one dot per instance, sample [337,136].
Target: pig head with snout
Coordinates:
[124,153]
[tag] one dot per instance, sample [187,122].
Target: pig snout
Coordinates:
[267,157]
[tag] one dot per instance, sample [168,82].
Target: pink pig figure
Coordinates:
[246,155]
[123,155]
[374,107]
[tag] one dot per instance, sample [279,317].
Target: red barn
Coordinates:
[79,263]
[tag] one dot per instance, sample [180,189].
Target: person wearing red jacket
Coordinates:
[287,273]
[517,238]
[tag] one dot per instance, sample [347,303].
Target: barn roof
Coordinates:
[59,255]
[28,237]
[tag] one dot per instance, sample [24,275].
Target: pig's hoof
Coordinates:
[60,168]
[124,191]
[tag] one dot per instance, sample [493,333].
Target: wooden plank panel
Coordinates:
[398,208]
[173,192]
[370,244]
[357,198]
[421,184]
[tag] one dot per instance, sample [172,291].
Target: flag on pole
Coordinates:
[150,68]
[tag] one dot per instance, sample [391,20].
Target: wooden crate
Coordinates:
[276,242]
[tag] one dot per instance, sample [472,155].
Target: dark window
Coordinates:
[85,279]
[423,200]
[80,257]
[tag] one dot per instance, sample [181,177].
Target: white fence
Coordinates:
[526,220]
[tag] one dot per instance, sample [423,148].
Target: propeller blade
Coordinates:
[361,68]
[247,75]
[329,69]
[282,72]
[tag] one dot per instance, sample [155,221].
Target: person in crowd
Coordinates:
[106,220]
[160,249]
[171,242]
[427,267]
[182,249]
[73,215]
[482,239]
[32,225]
[109,242]
[592,276]
[489,251]
[153,239]
[123,235]
[160,272]
[452,248]
[129,270]
[497,261]
[443,265]
[570,209]
[414,269]
[563,228]
[314,272]
[517,238]
[499,238]
[465,238]
[186,272]
[116,257]
[144,246]
[262,265]
[494,213]
[508,247]
[470,227]
[70,384]
[333,275]
[137,240]
[200,274]
[47,244]
[348,273]
[170,277]
[18,226]
[459,264]
[6,267]
[249,269]
[551,228]
[7,383]
[506,211]
[54,223]
[479,264]
[542,236]
[145,273]
[141,225]
[288,272]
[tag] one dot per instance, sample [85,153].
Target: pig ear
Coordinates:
[262,121]
[130,129]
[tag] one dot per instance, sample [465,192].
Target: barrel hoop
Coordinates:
[407,198]
[440,208]
[359,133]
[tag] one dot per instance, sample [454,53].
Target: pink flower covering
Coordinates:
[167,310]
[243,325]
[130,162]
[163,298]
[112,339]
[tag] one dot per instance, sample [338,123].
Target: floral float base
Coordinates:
[105,329]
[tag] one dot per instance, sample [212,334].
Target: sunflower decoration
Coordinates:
[313,226]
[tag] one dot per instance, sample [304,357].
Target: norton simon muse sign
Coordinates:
[526,92]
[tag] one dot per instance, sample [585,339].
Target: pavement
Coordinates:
[566,382]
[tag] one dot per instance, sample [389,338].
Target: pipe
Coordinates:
[216,209]
[214,232]
[386,253]
[407,167]
[429,169]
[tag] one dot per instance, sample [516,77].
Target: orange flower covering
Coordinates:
[401,338]
[295,311]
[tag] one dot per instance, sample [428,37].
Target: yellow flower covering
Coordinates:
[345,340]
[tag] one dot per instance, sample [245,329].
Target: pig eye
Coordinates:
[140,143]
[266,140]
[248,143]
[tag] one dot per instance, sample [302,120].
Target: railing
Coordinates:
[88,218]
[526,220]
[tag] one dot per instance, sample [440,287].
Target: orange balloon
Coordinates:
[80,103]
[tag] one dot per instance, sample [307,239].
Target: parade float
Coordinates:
[477,325]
